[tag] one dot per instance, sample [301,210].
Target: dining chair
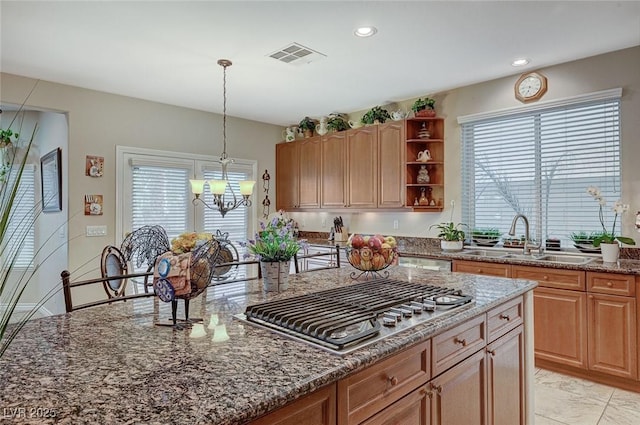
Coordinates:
[333,263]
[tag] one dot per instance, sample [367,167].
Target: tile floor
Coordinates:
[565,400]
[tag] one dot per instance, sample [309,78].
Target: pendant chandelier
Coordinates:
[219,187]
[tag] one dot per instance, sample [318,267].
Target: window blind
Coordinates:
[235,222]
[20,235]
[160,195]
[539,163]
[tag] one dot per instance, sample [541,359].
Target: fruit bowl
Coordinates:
[366,260]
[370,254]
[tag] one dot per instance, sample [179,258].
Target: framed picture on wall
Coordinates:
[51,181]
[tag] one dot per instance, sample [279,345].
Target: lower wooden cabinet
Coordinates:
[560,326]
[414,409]
[506,379]
[318,408]
[460,394]
[612,335]
[479,267]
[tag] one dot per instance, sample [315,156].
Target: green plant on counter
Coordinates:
[337,123]
[376,114]
[276,240]
[420,104]
[307,124]
[450,231]
[486,232]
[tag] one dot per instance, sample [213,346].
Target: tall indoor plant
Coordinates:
[274,245]
[12,164]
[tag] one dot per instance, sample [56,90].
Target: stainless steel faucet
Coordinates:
[526,250]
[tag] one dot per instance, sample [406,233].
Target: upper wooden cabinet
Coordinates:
[425,149]
[298,174]
[360,169]
[333,170]
[390,154]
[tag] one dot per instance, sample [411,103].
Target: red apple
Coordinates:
[357,241]
[374,244]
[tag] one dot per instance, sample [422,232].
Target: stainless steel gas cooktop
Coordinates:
[347,318]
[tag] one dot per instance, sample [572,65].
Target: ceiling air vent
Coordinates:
[296,54]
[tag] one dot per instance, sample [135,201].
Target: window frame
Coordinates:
[195,162]
[534,111]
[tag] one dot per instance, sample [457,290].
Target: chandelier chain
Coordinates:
[224,109]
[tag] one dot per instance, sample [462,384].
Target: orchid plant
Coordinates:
[276,240]
[618,208]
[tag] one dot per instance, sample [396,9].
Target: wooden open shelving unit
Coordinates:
[434,190]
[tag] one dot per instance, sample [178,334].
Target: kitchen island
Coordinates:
[112,364]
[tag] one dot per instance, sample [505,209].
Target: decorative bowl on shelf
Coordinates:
[485,239]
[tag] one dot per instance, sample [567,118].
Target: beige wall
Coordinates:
[98,121]
[611,70]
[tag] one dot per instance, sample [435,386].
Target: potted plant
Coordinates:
[451,235]
[5,137]
[274,245]
[486,236]
[376,115]
[337,123]
[307,125]
[424,107]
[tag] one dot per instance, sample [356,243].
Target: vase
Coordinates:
[610,252]
[275,275]
[451,246]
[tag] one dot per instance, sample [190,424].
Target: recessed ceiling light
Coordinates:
[365,31]
[520,62]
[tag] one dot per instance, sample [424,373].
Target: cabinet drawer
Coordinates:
[551,278]
[454,345]
[367,392]
[502,319]
[611,283]
[479,267]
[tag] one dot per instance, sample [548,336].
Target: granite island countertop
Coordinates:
[111,364]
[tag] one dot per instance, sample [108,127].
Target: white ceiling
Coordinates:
[166,51]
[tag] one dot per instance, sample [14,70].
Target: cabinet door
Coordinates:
[612,335]
[460,394]
[362,168]
[309,173]
[287,175]
[560,326]
[318,408]
[333,170]
[505,365]
[479,267]
[414,409]
[391,160]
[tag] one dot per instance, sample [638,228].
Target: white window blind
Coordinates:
[20,235]
[235,222]
[539,163]
[160,195]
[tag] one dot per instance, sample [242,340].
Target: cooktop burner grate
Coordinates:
[347,315]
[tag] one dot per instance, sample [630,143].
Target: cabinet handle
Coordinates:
[505,317]
[479,271]
[393,381]
[545,277]
[463,342]
[438,388]
[609,284]
[492,352]
[590,297]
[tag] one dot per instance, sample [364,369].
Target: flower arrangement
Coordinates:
[618,208]
[276,240]
[187,242]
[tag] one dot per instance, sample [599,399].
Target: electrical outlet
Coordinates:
[324,222]
[304,222]
[395,224]
[92,231]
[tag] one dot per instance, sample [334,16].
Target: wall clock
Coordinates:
[530,86]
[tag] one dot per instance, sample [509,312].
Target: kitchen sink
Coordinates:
[567,259]
[563,259]
[485,253]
